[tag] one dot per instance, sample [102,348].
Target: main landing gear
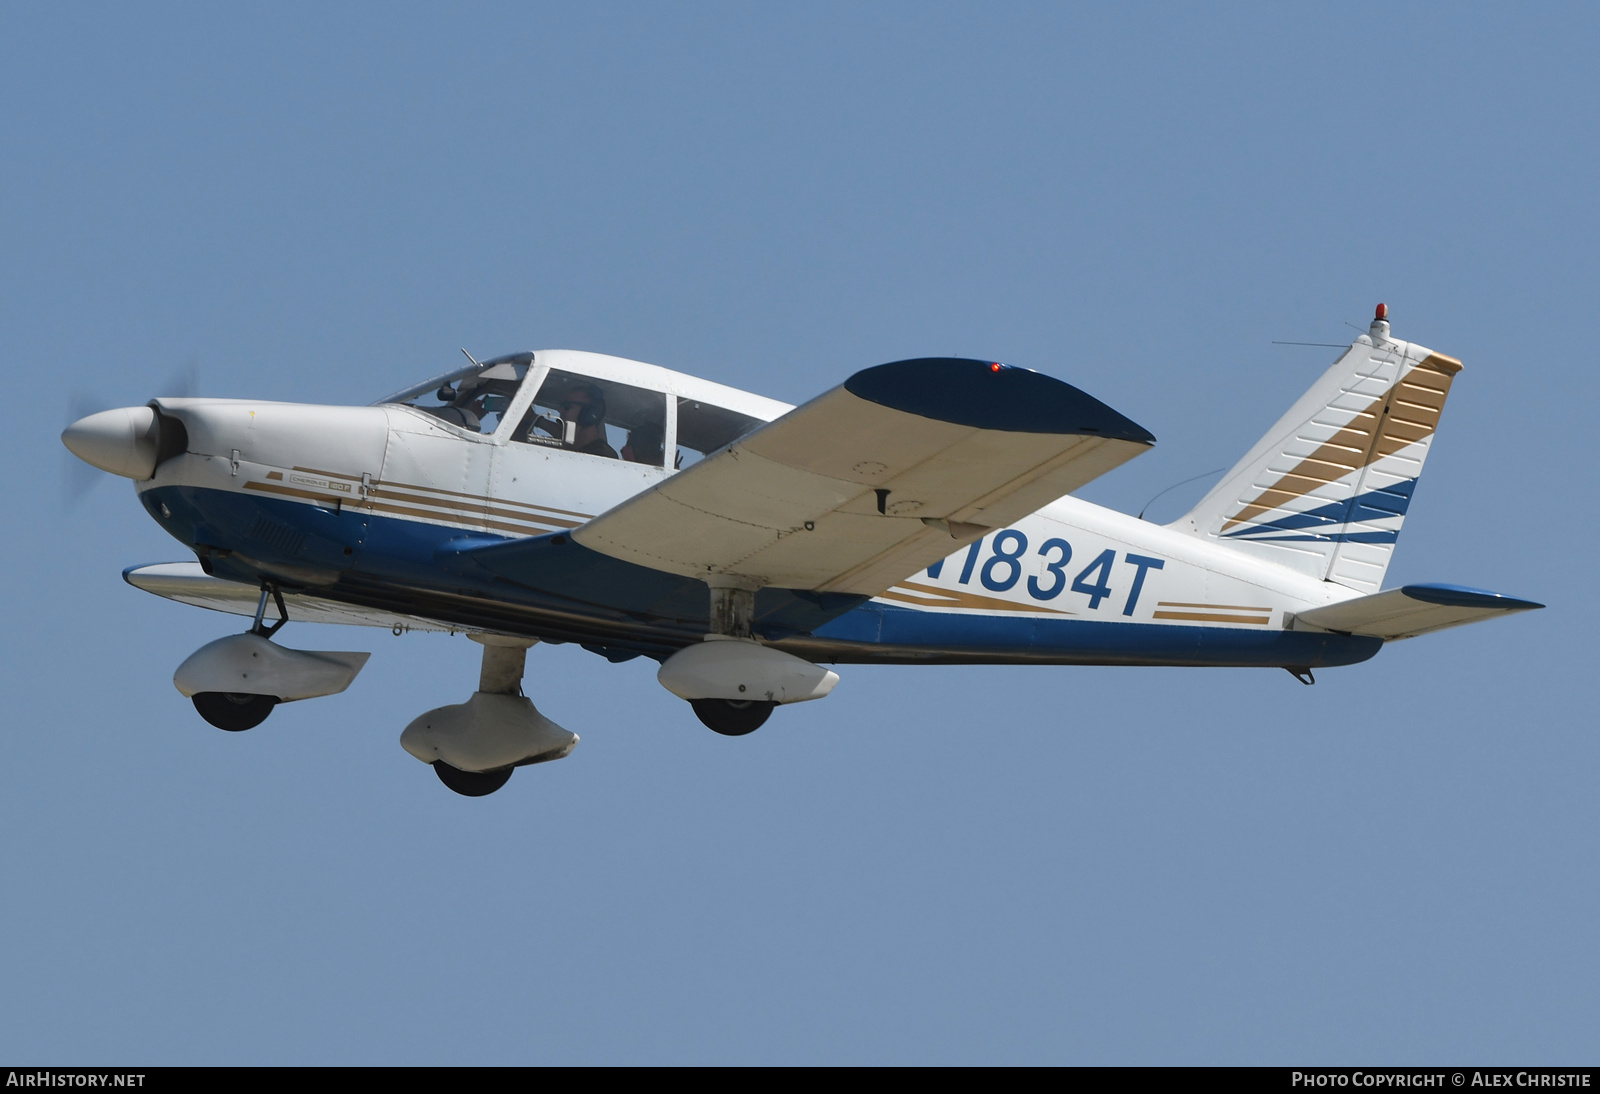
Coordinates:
[733,682]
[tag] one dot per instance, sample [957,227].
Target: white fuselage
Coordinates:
[372,470]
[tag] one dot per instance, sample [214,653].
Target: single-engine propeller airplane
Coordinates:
[919,513]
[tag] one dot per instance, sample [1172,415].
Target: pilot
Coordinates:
[490,404]
[586,405]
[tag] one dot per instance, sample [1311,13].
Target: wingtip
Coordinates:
[992,395]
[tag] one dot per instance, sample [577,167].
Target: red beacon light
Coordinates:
[994,367]
[1383,312]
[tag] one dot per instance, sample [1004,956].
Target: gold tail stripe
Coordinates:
[1211,607]
[1259,620]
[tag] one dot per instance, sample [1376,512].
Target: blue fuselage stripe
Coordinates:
[1083,641]
[553,588]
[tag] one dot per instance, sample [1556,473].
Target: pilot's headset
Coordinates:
[595,412]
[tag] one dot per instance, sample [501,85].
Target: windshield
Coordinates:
[473,397]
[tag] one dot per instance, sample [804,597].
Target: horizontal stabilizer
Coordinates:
[1410,610]
[187,583]
[872,481]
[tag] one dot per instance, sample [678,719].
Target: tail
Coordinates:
[1326,490]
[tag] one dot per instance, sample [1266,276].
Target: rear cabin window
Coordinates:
[596,417]
[704,428]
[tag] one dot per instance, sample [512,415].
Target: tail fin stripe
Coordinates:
[1385,504]
[1375,432]
[1331,455]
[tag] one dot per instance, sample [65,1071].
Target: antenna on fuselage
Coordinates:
[471,358]
[1175,485]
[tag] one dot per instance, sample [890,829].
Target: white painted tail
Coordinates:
[1326,490]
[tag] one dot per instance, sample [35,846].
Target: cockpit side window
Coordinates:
[703,428]
[472,398]
[596,417]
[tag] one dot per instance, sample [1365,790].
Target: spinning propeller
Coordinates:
[98,439]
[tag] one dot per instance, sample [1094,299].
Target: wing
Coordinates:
[187,583]
[874,480]
[1410,610]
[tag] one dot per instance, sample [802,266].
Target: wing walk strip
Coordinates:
[930,596]
[1212,613]
[475,510]
[1405,414]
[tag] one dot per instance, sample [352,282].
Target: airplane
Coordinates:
[920,513]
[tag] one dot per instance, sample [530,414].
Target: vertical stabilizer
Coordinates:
[1326,490]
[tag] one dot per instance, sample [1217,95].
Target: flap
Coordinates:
[1410,610]
[874,480]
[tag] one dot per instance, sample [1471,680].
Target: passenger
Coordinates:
[644,445]
[586,405]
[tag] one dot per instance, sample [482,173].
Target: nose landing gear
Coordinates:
[237,681]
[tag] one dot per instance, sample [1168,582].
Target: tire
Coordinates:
[732,717]
[471,784]
[233,711]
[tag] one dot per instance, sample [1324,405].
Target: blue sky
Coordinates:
[321,203]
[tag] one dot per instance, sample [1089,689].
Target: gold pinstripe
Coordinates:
[524,526]
[384,484]
[1201,617]
[1210,607]
[910,592]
